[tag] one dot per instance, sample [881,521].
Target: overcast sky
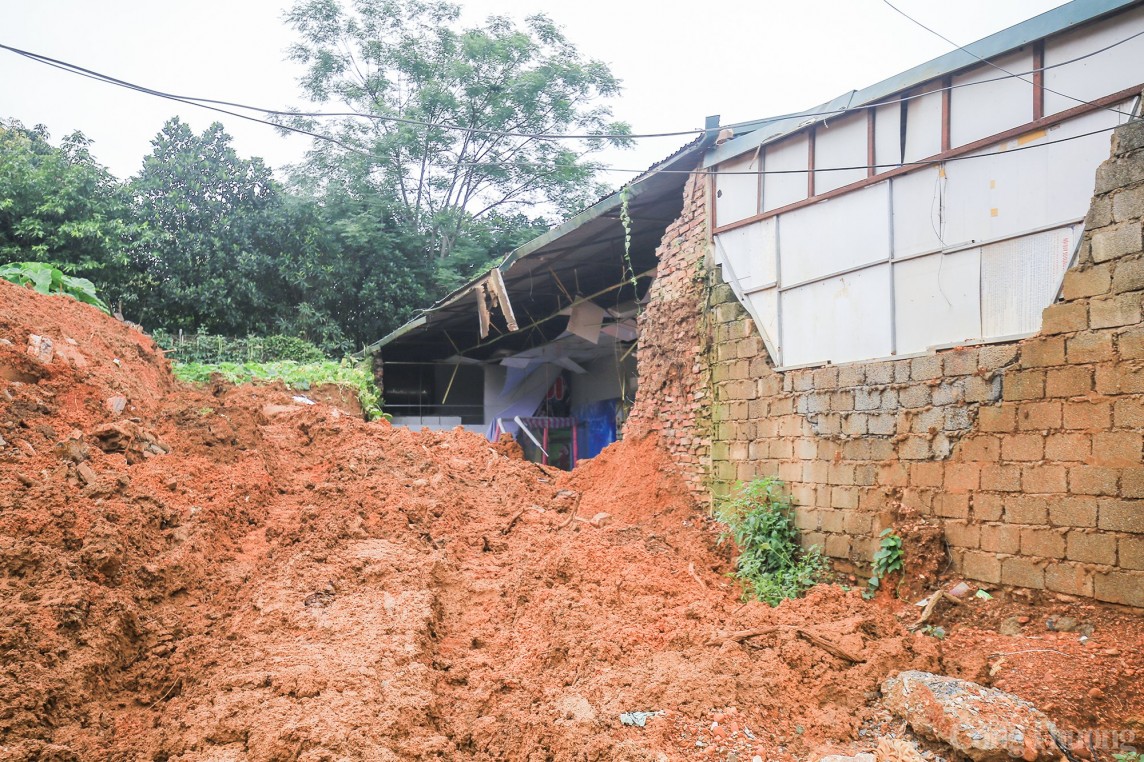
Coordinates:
[679,61]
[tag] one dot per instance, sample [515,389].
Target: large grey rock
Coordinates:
[985,724]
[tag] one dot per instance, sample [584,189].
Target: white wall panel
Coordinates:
[888,136]
[917,212]
[764,307]
[937,300]
[1015,191]
[1020,277]
[923,125]
[840,143]
[1102,74]
[836,234]
[750,252]
[737,196]
[782,189]
[839,319]
[982,108]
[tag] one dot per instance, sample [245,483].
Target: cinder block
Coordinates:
[1026,509]
[1090,346]
[927,474]
[1045,479]
[1132,482]
[1068,578]
[1022,447]
[1099,213]
[879,373]
[837,546]
[1023,572]
[1071,381]
[1064,317]
[962,477]
[1117,448]
[980,448]
[1041,542]
[1131,344]
[1116,241]
[1129,276]
[1131,555]
[1073,511]
[962,534]
[1001,478]
[978,389]
[1128,204]
[1074,447]
[1092,480]
[851,375]
[1023,385]
[914,448]
[960,361]
[1001,538]
[1089,281]
[981,566]
[1115,311]
[1092,546]
[925,368]
[997,419]
[1080,414]
[951,506]
[1125,587]
[825,379]
[1121,515]
[914,396]
[1043,351]
[988,507]
[997,356]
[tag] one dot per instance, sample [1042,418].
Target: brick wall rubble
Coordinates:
[1027,454]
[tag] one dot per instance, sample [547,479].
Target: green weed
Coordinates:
[759,519]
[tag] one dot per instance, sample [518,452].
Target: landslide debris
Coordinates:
[222,574]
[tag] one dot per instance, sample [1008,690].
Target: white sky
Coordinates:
[679,61]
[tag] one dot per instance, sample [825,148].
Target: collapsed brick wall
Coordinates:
[673,399]
[1027,454]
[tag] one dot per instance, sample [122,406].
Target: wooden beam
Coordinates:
[946,104]
[1039,79]
[810,162]
[871,141]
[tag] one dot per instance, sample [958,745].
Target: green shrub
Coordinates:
[355,376]
[759,519]
[51,280]
[203,348]
[887,560]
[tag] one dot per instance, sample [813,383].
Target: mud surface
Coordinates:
[223,574]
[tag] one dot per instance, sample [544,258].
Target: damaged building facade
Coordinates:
[947,331]
[910,304]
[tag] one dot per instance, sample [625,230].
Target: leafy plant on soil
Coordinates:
[1128,756]
[759,519]
[51,280]
[296,375]
[887,560]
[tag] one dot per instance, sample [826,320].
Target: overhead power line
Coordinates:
[998,67]
[217,104]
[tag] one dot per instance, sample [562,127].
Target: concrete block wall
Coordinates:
[1027,454]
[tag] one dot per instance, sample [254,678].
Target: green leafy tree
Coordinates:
[209,260]
[59,206]
[502,85]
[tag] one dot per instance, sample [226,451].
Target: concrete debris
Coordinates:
[897,750]
[41,348]
[638,719]
[73,449]
[130,438]
[985,724]
[864,757]
[117,403]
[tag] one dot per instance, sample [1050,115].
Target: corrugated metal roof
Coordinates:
[1046,24]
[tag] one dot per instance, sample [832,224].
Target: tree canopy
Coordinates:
[451,158]
[459,126]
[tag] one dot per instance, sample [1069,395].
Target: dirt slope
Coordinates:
[291,583]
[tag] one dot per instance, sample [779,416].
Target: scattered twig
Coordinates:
[825,645]
[512,522]
[1030,651]
[931,606]
[178,681]
[695,576]
[572,512]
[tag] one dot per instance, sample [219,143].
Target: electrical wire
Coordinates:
[215,104]
[966,50]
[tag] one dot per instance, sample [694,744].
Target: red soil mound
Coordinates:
[291,583]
